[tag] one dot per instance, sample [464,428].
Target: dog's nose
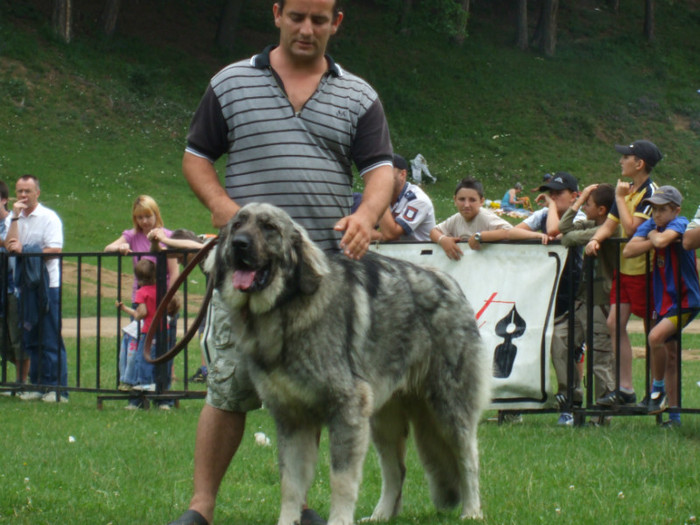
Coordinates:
[241,242]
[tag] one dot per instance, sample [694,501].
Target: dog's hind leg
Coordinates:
[298,451]
[451,449]
[437,454]
[389,433]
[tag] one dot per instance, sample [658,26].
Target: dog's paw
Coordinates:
[476,514]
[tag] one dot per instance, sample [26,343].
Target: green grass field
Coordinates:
[102,121]
[74,464]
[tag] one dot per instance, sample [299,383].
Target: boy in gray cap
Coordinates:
[674,308]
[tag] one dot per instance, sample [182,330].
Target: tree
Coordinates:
[62,19]
[649,20]
[462,20]
[521,36]
[546,32]
[228,23]
[110,13]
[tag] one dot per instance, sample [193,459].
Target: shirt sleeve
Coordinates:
[53,233]
[372,144]
[645,228]
[413,215]
[208,133]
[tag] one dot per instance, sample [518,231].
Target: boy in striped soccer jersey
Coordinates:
[628,212]
[673,308]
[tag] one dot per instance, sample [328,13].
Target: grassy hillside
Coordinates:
[103,121]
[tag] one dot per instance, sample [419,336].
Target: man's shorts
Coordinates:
[228,383]
[633,291]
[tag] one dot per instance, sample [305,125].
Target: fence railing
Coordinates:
[92,326]
[92,329]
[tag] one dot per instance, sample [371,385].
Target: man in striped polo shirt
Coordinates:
[291,122]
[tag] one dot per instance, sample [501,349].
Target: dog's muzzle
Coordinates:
[248,274]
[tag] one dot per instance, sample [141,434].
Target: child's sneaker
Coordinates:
[566,419]
[125,387]
[200,376]
[658,402]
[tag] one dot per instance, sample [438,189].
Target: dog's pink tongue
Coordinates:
[243,279]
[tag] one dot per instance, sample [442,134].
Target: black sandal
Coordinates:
[190,517]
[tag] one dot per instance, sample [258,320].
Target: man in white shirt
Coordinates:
[411,215]
[34,228]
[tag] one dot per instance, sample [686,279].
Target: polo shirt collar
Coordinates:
[262,61]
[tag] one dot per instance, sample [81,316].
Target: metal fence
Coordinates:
[92,328]
[91,282]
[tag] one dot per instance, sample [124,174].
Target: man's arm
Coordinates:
[204,182]
[358,227]
[389,229]
[523,232]
[660,240]
[605,231]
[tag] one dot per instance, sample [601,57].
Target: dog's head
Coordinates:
[264,257]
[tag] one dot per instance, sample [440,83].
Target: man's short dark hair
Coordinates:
[470,183]
[604,195]
[33,178]
[336,7]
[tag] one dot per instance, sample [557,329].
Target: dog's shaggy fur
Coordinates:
[362,347]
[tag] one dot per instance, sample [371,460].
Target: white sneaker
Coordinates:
[151,387]
[50,397]
[30,395]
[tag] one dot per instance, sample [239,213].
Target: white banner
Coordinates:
[511,288]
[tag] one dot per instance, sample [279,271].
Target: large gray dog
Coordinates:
[360,347]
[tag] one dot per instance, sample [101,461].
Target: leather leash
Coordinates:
[163,308]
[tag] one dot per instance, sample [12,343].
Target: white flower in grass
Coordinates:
[71,439]
[621,495]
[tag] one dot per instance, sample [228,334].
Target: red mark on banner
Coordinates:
[491,300]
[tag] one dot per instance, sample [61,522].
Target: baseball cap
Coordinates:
[560,181]
[644,149]
[400,163]
[665,195]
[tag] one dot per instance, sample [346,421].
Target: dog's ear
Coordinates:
[312,263]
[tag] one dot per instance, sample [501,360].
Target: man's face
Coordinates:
[592,210]
[305,27]
[664,213]
[27,193]
[399,181]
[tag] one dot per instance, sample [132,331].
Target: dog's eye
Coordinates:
[269,226]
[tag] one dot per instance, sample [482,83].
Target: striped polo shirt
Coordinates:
[299,161]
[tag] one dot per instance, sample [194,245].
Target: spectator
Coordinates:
[596,201]
[138,372]
[545,179]
[674,308]
[510,199]
[302,164]
[691,237]
[628,212]
[145,215]
[471,223]
[411,215]
[10,336]
[34,228]
[543,225]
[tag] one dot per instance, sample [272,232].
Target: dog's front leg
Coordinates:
[348,447]
[298,451]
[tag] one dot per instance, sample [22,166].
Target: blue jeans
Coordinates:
[48,364]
